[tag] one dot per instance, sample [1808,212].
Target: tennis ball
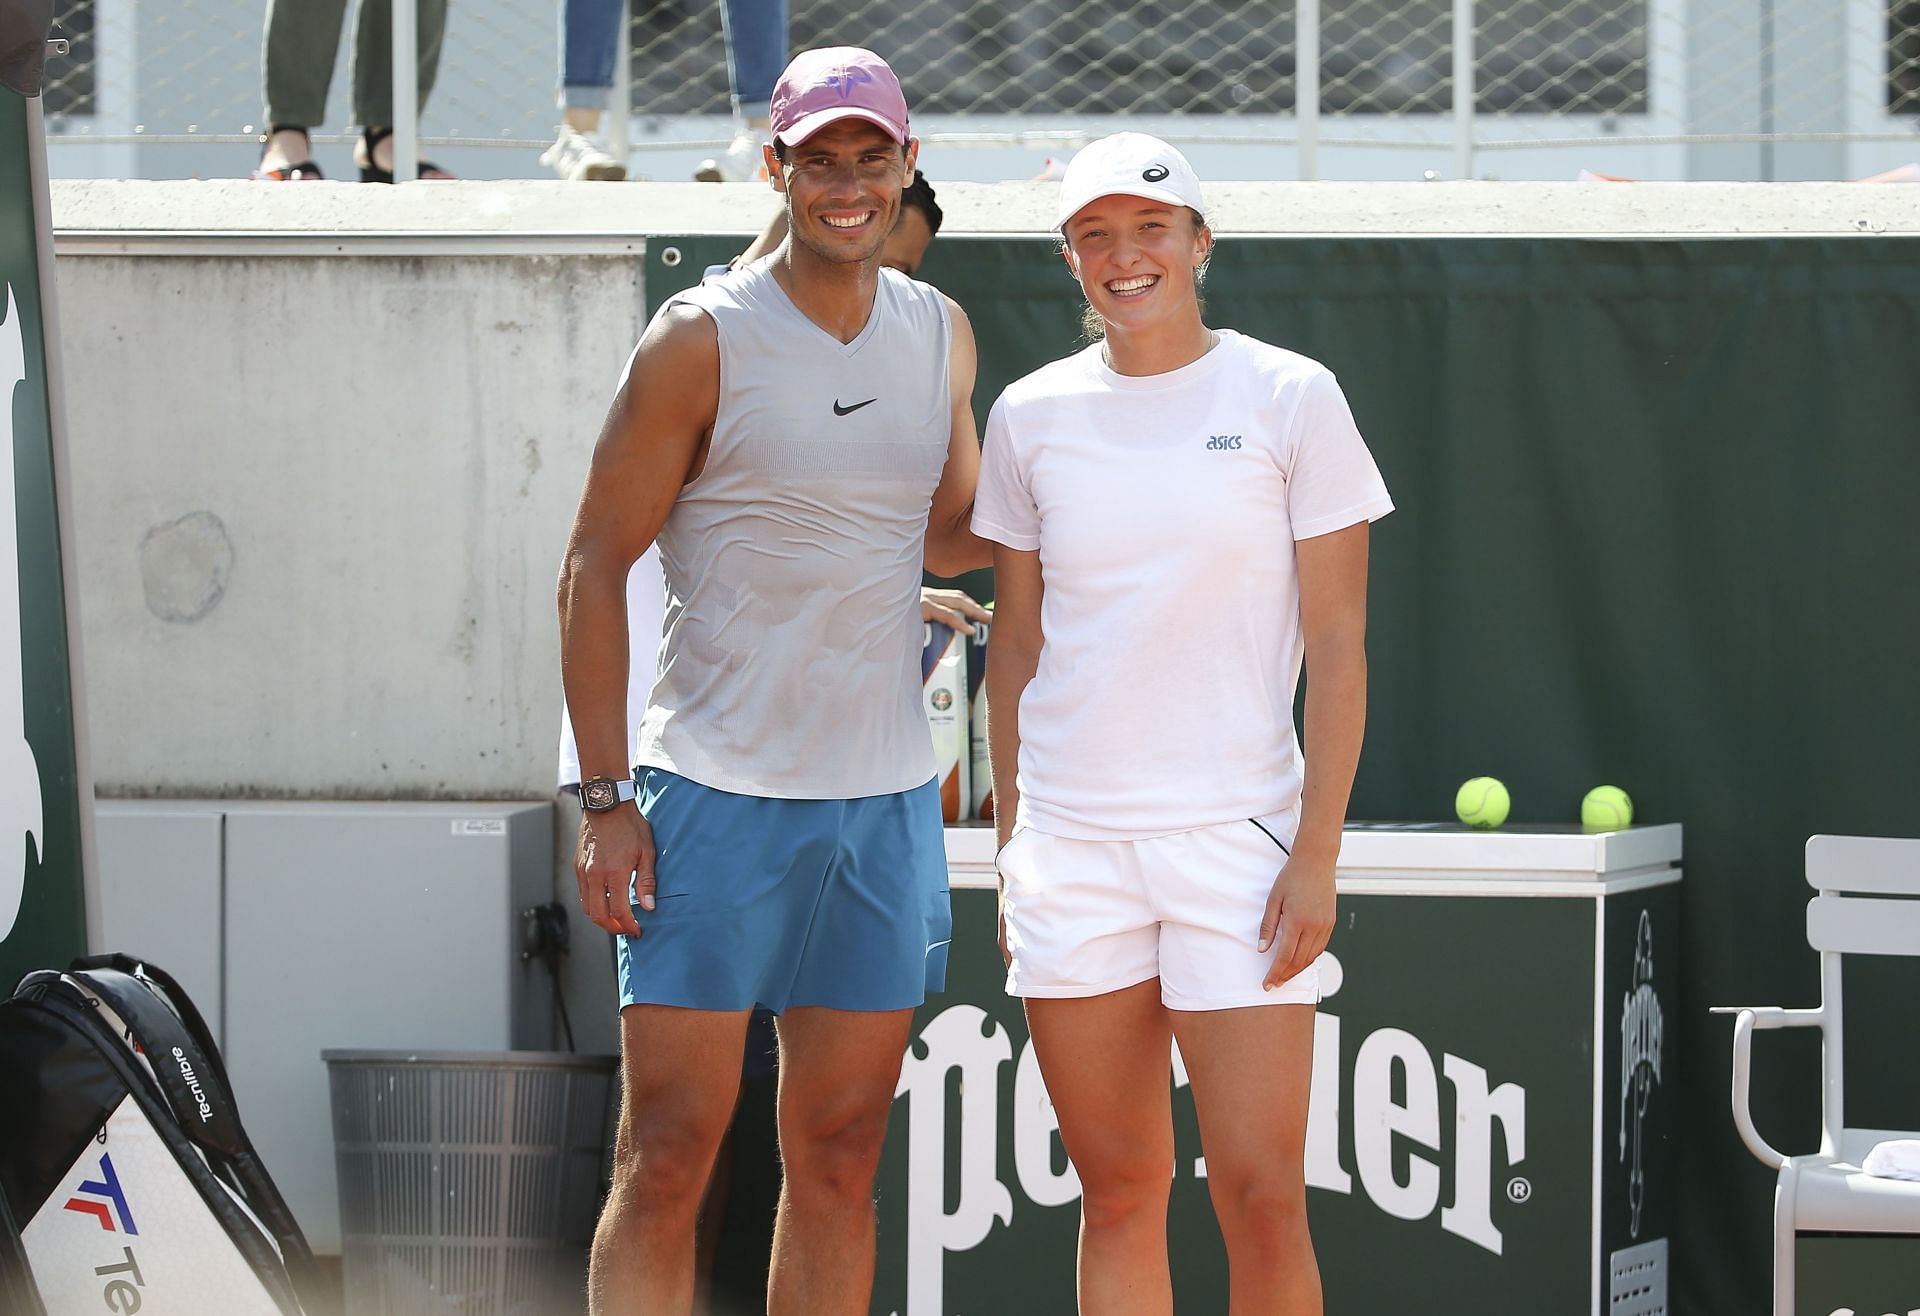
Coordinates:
[1482,803]
[1606,808]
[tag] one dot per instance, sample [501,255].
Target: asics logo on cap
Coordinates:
[1155,173]
[845,80]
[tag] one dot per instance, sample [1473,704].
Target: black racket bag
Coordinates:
[123,1165]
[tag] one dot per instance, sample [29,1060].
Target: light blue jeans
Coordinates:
[590,40]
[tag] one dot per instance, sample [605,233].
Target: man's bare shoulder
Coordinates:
[683,337]
[957,316]
[962,329]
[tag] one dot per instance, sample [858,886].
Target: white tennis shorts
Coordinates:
[1089,917]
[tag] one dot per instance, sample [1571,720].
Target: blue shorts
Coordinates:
[838,903]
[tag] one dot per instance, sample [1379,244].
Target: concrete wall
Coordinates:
[320,506]
[323,469]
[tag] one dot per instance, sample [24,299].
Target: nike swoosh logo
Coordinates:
[839,410]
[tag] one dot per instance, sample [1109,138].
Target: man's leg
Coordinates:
[679,1075]
[838,1069]
[1108,1064]
[1251,1071]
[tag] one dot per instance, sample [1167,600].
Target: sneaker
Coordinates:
[577,157]
[742,162]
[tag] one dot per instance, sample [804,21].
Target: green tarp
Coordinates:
[42,914]
[1658,506]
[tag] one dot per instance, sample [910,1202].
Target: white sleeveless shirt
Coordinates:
[789,664]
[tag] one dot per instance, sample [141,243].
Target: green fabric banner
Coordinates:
[1655,528]
[42,907]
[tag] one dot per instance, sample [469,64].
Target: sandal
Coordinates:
[373,173]
[306,171]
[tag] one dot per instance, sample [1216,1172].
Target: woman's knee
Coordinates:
[1268,1207]
[1124,1186]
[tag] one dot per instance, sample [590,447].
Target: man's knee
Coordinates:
[835,1151]
[663,1157]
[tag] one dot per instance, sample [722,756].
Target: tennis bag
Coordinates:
[122,1158]
[18,1296]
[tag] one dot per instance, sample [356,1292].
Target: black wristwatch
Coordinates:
[598,794]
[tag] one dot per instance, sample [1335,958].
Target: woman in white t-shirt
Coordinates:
[1180,515]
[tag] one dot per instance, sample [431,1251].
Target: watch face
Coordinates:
[598,794]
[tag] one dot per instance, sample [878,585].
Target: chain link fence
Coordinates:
[1903,57]
[1318,77]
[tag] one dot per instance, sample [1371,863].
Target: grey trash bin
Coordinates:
[468,1181]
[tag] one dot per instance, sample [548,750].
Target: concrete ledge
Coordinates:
[120,217]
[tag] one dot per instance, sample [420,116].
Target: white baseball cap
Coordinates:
[1128,164]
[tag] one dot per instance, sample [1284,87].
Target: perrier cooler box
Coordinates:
[1493,1095]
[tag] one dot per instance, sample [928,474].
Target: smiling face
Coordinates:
[1135,259]
[843,187]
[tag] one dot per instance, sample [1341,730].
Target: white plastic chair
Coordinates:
[1827,1190]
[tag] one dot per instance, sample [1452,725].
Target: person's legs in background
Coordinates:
[756,54]
[373,82]
[590,41]
[297,47]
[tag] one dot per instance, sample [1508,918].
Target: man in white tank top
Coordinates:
[798,438]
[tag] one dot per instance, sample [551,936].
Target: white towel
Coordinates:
[1899,1159]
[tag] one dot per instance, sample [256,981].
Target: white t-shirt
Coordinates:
[646,604]
[1165,510]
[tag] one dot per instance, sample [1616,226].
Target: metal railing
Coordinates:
[1467,83]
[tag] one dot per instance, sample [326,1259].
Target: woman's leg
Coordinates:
[1251,1071]
[373,59]
[756,33]
[590,42]
[297,47]
[1108,1063]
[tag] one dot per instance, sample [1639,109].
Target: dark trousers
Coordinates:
[298,51]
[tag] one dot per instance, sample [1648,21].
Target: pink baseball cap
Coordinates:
[836,82]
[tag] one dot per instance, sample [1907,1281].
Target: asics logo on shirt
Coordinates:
[1219,442]
[839,410]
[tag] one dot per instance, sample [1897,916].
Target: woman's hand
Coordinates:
[1299,917]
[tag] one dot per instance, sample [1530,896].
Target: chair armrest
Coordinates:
[1746,1019]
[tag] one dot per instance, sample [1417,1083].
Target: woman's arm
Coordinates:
[1333,627]
[1015,653]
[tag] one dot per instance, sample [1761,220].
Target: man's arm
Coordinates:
[955,608]
[648,448]
[1333,626]
[770,237]
[952,547]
